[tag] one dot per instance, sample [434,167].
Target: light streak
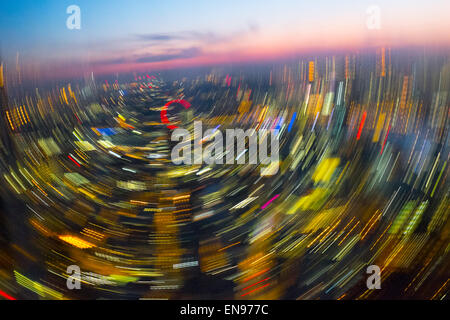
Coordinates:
[269,202]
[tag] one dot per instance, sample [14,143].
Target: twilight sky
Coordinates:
[128,35]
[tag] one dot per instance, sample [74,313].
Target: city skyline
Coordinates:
[135,161]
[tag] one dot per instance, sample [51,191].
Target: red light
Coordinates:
[164,118]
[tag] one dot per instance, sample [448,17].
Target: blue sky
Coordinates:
[131,32]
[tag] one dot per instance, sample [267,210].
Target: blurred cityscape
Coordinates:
[87,180]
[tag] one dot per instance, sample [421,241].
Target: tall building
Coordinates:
[5,140]
[3,96]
